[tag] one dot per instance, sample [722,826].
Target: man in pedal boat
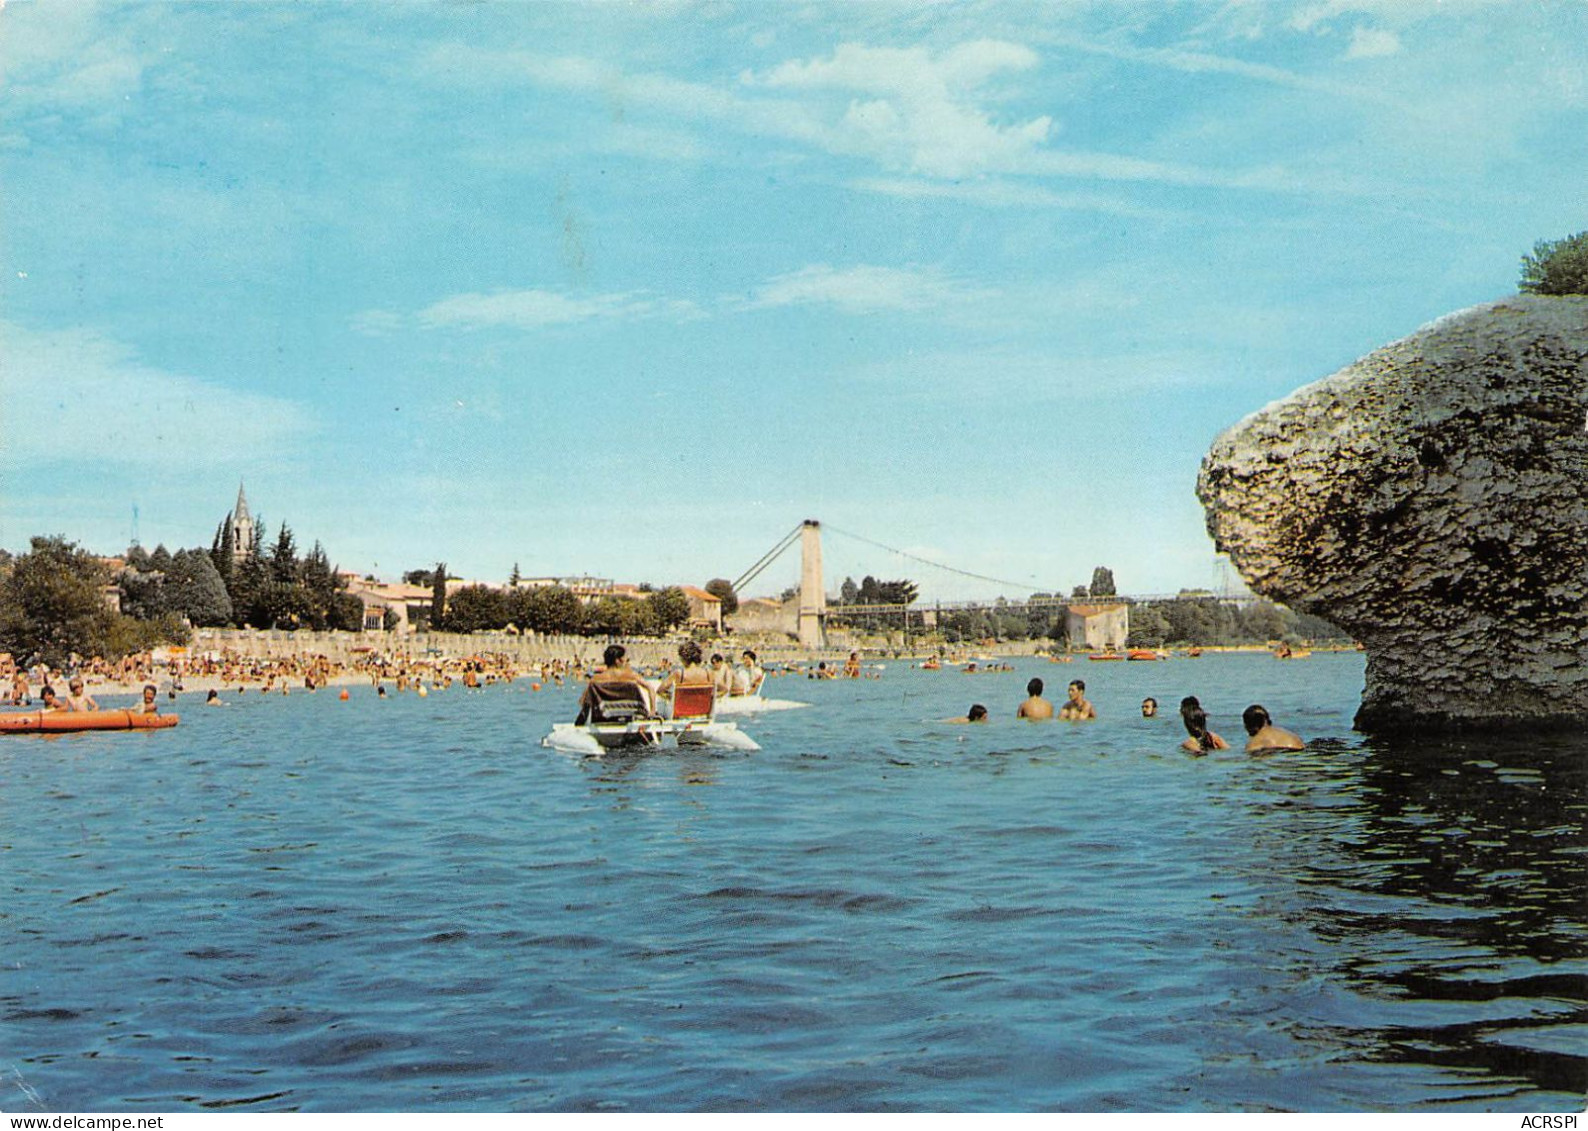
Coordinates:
[614,676]
[748,678]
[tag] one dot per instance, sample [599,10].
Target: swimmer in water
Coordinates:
[1035,707]
[1196,724]
[976,714]
[1078,707]
[1264,734]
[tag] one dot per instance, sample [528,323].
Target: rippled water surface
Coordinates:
[304,903]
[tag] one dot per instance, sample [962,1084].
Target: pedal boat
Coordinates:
[622,724]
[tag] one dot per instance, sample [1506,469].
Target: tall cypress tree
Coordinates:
[223,550]
[438,596]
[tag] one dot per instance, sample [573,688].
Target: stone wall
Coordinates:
[1432,500]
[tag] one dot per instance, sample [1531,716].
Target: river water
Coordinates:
[303,903]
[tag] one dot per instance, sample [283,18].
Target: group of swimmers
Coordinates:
[1262,734]
[78,699]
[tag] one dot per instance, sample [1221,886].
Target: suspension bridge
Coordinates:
[814,611]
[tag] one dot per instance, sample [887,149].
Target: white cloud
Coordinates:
[69,59]
[864,289]
[908,111]
[76,396]
[1001,193]
[533,309]
[1372,43]
[915,111]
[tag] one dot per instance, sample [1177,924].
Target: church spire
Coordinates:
[242,527]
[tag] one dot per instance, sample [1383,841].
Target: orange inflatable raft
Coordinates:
[57,722]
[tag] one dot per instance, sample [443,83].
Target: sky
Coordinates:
[631,290]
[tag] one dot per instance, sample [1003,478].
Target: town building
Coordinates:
[705,609]
[1099,624]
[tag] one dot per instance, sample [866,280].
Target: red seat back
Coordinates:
[694,701]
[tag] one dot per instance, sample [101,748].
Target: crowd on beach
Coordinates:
[1262,734]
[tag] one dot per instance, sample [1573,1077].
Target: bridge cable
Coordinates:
[935,565]
[767,559]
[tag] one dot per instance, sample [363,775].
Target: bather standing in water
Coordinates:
[1078,707]
[1264,734]
[1196,724]
[1035,707]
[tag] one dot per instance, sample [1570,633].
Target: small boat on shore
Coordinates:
[65,722]
[1140,654]
[1108,655]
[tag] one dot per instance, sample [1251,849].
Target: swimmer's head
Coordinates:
[1189,703]
[1078,685]
[689,652]
[1149,707]
[1034,687]
[976,713]
[1255,718]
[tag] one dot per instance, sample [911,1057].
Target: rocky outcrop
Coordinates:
[1432,499]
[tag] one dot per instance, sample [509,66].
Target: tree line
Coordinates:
[548,609]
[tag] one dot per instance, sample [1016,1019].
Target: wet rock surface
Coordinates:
[1432,499]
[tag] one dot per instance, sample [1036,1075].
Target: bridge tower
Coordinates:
[813,601]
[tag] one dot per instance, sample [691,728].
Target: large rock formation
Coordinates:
[1432,499]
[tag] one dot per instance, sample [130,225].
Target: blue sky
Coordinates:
[632,290]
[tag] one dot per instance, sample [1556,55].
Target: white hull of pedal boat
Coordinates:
[597,738]
[754,705]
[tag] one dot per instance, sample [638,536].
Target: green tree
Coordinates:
[194,589]
[418,577]
[553,609]
[669,608]
[848,592]
[1149,628]
[1557,267]
[223,553]
[52,605]
[438,596]
[1262,621]
[284,558]
[346,613]
[722,589]
[142,586]
[249,583]
[620,616]
[1102,583]
[476,608]
[900,592]
[512,581]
